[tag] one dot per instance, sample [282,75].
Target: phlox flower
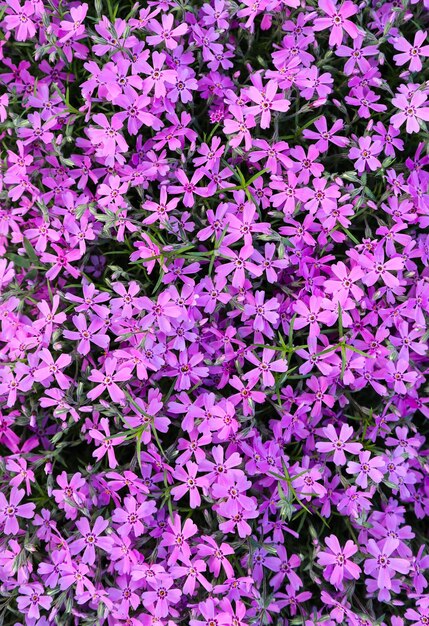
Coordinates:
[156,76]
[366,468]
[366,154]
[74,28]
[32,599]
[11,509]
[337,562]
[91,539]
[189,187]
[19,18]
[87,334]
[23,473]
[411,53]
[266,102]
[383,566]
[217,556]
[187,475]
[338,443]
[411,111]
[177,537]
[325,136]
[105,442]
[50,368]
[239,264]
[165,33]
[107,380]
[161,596]
[283,567]
[337,20]
[132,516]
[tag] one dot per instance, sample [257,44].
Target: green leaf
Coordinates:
[31,253]
[17,260]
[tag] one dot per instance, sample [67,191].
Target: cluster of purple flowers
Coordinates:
[214,301]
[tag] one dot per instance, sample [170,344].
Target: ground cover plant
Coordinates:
[214,307]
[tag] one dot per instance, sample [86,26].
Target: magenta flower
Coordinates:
[74,28]
[306,163]
[356,56]
[313,314]
[189,187]
[377,268]
[239,127]
[178,536]
[319,195]
[135,107]
[105,442]
[265,367]
[156,76]
[266,101]
[337,563]
[133,516]
[337,21]
[161,312]
[324,136]
[366,154]
[306,483]
[411,111]
[192,571]
[50,368]
[190,485]
[354,502]
[71,496]
[366,468]
[61,261]
[107,380]
[239,264]
[91,539]
[159,210]
[418,617]
[217,556]
[383,566]
[162,596]
[165,33]
[108,139]
[186,367]
[338,444]
[75,574]
[397,375]
[344,282]
[284,567]
[19,18]
[23,473]
[32,599]
[411,53]
[237,522]
[87,334]
[246,394]
[10,510]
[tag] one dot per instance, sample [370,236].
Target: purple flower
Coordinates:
[383,566]
[411,53]
[366,468]
[90,539]
[11,509]
[366,154]
[337,562]
[411,111]
[338,444]
[32,599]
[337,21]
[266,101]
[107,380]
